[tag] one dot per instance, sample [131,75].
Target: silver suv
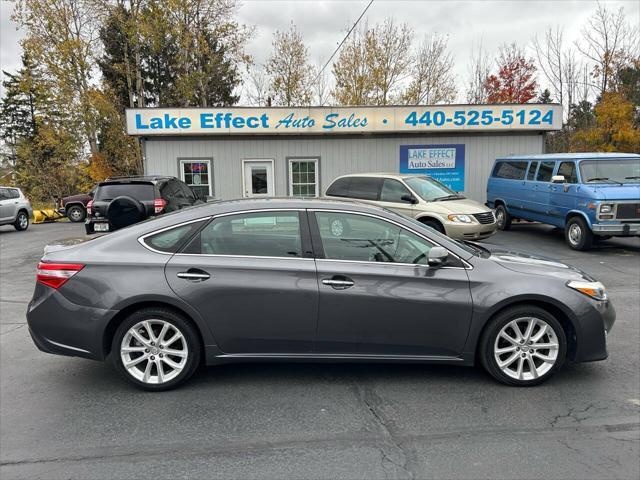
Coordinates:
[15,208]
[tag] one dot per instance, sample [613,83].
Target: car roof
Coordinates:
[570,156]
[383,175]
[137,179]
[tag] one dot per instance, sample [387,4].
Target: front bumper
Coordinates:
[62,327]
[616,229]
[596,320]
[470,231]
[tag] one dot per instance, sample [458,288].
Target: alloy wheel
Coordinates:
[75,215]
[500,217]
[23,221]
[154,351]
[526,348]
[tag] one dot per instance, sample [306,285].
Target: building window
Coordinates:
[197,174]
[303,177]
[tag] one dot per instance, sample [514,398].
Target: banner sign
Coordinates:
[331,120]
[445,163]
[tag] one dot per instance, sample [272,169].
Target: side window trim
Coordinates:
[319,250]
[205,221]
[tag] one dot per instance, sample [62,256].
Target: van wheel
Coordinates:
[437,226]
[578,234]
[523,346]
[503,218]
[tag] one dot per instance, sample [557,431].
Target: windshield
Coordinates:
[623,170]
[431,190]
[139,191]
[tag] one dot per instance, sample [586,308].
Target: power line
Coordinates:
[343,40]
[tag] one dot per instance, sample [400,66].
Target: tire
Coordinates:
[76,214]
[519,372]
[22,221]
[437,226]
[124,211]
[503,218]
[577,234]
[176,368]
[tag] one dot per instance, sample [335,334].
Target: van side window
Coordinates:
[532,170]
[392,191]
[339,188]
[366,188]
[545,171]
[568,169]
[510,170]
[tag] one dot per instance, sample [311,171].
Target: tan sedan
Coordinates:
[420,197]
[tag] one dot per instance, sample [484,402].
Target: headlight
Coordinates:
[594,290]
[606,208]
[460,218]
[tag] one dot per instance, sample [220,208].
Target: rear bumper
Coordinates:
[616,229]
[61,327]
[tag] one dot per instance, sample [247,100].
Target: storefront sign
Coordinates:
[445,163]
[329,120]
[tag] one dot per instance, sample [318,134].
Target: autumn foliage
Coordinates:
[515,81]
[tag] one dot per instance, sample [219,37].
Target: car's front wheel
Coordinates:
[578,234]
[156,349]
[523,346]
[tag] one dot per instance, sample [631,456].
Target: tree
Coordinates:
[432,79]
[608,40]
[320,85]
[515,81]
[478,71]
[256,86]
[289,70]
[613,130]
[545,96]
[372,65]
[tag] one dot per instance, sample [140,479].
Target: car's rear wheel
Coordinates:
[578,234]
[503,218]
[22,221]
[523,346]
[76,213]
[156,349]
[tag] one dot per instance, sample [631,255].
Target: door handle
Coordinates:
[194,275]
[338,282]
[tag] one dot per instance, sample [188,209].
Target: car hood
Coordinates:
[615,192]
[465,205]
[535,265]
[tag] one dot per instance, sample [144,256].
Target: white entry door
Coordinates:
[258,178]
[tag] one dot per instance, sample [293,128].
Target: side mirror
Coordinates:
[557,179]
[409,199]
[437,256]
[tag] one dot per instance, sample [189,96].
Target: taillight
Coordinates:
[159,204]
[55,275]
[89,205]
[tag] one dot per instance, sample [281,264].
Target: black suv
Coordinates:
[122,201]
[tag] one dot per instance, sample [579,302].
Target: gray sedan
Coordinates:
[309,280]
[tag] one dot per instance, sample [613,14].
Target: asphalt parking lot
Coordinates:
[72,418]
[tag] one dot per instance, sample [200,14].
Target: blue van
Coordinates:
[592,196]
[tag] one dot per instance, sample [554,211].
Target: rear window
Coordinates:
[139,191]
[510,170]
[170,241]
[339,188]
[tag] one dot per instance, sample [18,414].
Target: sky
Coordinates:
[323,23]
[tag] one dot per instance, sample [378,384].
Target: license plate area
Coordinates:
[100,227]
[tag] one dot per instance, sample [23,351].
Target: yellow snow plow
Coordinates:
[46,215]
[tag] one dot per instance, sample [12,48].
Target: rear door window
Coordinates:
[139,191]
[392,191]
[365,188]
[545,172]
[511,170]
[568,170]
[532,170]
[261,234]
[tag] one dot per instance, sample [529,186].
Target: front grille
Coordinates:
[484,218]
[628,210]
